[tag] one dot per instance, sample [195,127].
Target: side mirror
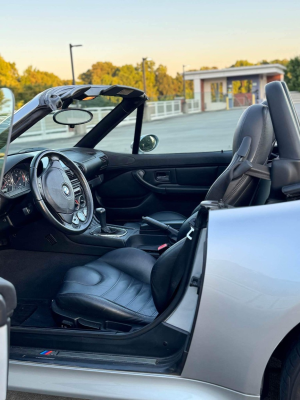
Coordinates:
[72,117]
[148,143]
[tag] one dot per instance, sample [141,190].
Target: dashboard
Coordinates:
[15,182]
[15,191]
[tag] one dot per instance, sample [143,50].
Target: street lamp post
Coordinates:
[144,72]
[72,64]
[184,92]
[147,116]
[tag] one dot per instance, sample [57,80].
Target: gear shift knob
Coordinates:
[101,216]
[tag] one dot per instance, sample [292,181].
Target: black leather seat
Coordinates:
[125,285]
[255,124]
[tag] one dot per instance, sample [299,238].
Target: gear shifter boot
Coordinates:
[103,229]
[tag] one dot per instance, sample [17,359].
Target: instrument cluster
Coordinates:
[15,182]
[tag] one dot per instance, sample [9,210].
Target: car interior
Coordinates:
[97,244]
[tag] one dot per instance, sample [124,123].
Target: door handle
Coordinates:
[139,176]
[162,176]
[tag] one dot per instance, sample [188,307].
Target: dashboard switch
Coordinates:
[27,210]
[75,220]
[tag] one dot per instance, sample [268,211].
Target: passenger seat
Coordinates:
[253,141]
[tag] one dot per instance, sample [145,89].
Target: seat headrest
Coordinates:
[255,122]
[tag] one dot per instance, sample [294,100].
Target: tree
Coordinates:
[292,76]
[34,81]
[99,73]
[9,75]
[206,68]
[164,82]
[241,63]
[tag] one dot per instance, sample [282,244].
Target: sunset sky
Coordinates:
[171,32]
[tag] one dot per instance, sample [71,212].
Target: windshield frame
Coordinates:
[44,103]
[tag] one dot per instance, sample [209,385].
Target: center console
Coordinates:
[111,237]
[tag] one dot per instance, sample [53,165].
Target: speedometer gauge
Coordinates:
[18,178]
[7,184]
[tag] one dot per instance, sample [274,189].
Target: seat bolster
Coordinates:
[132,261]
[98,309]
[162,276]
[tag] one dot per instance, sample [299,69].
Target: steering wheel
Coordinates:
[54,196]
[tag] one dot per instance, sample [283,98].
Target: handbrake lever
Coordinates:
[160,225]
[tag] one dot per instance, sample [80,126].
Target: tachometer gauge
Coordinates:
[19,178]
[7,183]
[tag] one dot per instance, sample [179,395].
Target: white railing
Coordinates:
[194,105]
[47,129]
[164,109]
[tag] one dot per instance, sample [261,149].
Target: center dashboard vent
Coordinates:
[74,181]
[104,162]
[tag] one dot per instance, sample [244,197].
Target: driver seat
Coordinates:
[127,287]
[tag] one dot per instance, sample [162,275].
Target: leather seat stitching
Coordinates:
[83,284]
[154,313]
[132,279]
[103,294]
[144,306]
[243,192]
[127,304]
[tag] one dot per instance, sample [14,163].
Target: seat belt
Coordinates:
[251,169]
[186,254]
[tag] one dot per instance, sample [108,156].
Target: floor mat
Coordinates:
[41,318]
[33,313]
[22,313]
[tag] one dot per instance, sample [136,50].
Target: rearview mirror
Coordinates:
[72,117]
[148,143]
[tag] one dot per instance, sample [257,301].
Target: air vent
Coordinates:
[81,168]
[70,174]
[104,162]
[74,181]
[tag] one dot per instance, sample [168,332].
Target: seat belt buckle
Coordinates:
[189,234]
[162,248]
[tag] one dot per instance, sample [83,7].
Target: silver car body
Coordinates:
[249,303]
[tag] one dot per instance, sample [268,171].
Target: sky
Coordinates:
[171,32]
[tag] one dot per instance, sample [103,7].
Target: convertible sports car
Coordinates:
[150,276]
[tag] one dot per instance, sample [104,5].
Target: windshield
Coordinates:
[48,134]
[6,113]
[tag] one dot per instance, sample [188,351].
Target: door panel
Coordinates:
[140,184]
[8,301]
